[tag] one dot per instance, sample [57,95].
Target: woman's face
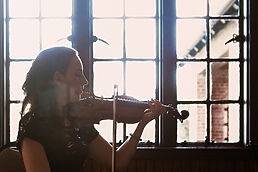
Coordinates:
[71,84]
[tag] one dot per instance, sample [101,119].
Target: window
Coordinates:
[131,60]
[32,25]
[169,51]
[210,74]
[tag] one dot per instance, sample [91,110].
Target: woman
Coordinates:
[48,138]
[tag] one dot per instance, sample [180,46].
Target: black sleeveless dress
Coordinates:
[66,147]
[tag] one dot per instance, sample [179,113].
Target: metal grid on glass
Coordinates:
[217,112]
[31,26]
[124,27]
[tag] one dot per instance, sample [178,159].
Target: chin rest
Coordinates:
[11,160]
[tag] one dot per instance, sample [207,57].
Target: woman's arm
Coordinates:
[34,156]
[101,150]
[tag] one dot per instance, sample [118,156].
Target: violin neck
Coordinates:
[133,103]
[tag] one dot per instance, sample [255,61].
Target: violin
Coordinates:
[93,109]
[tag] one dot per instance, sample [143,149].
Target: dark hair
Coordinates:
[39,80]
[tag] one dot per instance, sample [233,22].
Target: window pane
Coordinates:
[106,74]
[187,8]
[24,8]
[18,72]
[56,8]
[55,32]
[110,30]
[225,81]
[140,7]
[24,38]
[224,7]
[194,128]
[191,38]
[191,81]
[140,38]
[105,128]
[225,123]
[141,80]
[148,132]
[14,120]
[110,8]
[221,32]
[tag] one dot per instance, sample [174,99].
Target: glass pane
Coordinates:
[187,8]
[106,74]
[225,81]
[191,38]
[221,32]
[225,123]
[141,80]
[105,128]
[191,81]
[148,132]
[113,34]
[14,120]
[24,8]
[24,38]
[18,72]
[55,32]
[224,7]
[245,82]
[140,8]
[56,8]
[194,128]
[140,38]
[110,8]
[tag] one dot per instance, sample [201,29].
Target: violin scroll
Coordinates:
[175,114]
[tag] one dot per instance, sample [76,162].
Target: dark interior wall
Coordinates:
[254,72]
[187,160]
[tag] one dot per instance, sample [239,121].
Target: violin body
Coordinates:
[94,109]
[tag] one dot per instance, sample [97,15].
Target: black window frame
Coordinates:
[243,58]
[81,33]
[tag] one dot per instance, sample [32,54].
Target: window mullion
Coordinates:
[5,127]
[2,81]
[168,70]
[208,134]
[81,36]
[241,54]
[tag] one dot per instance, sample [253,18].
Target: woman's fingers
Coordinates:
[156,108]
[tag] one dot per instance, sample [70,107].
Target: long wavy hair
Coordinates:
[39,87]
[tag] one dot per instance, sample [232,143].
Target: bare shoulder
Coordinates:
[34,155]
[30,143]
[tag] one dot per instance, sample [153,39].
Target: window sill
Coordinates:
[198,152]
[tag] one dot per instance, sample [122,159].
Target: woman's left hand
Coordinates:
[155,110]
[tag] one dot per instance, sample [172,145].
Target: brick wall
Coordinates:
[219,86]
[201,111]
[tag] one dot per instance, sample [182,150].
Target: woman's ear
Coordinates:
[58,77]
